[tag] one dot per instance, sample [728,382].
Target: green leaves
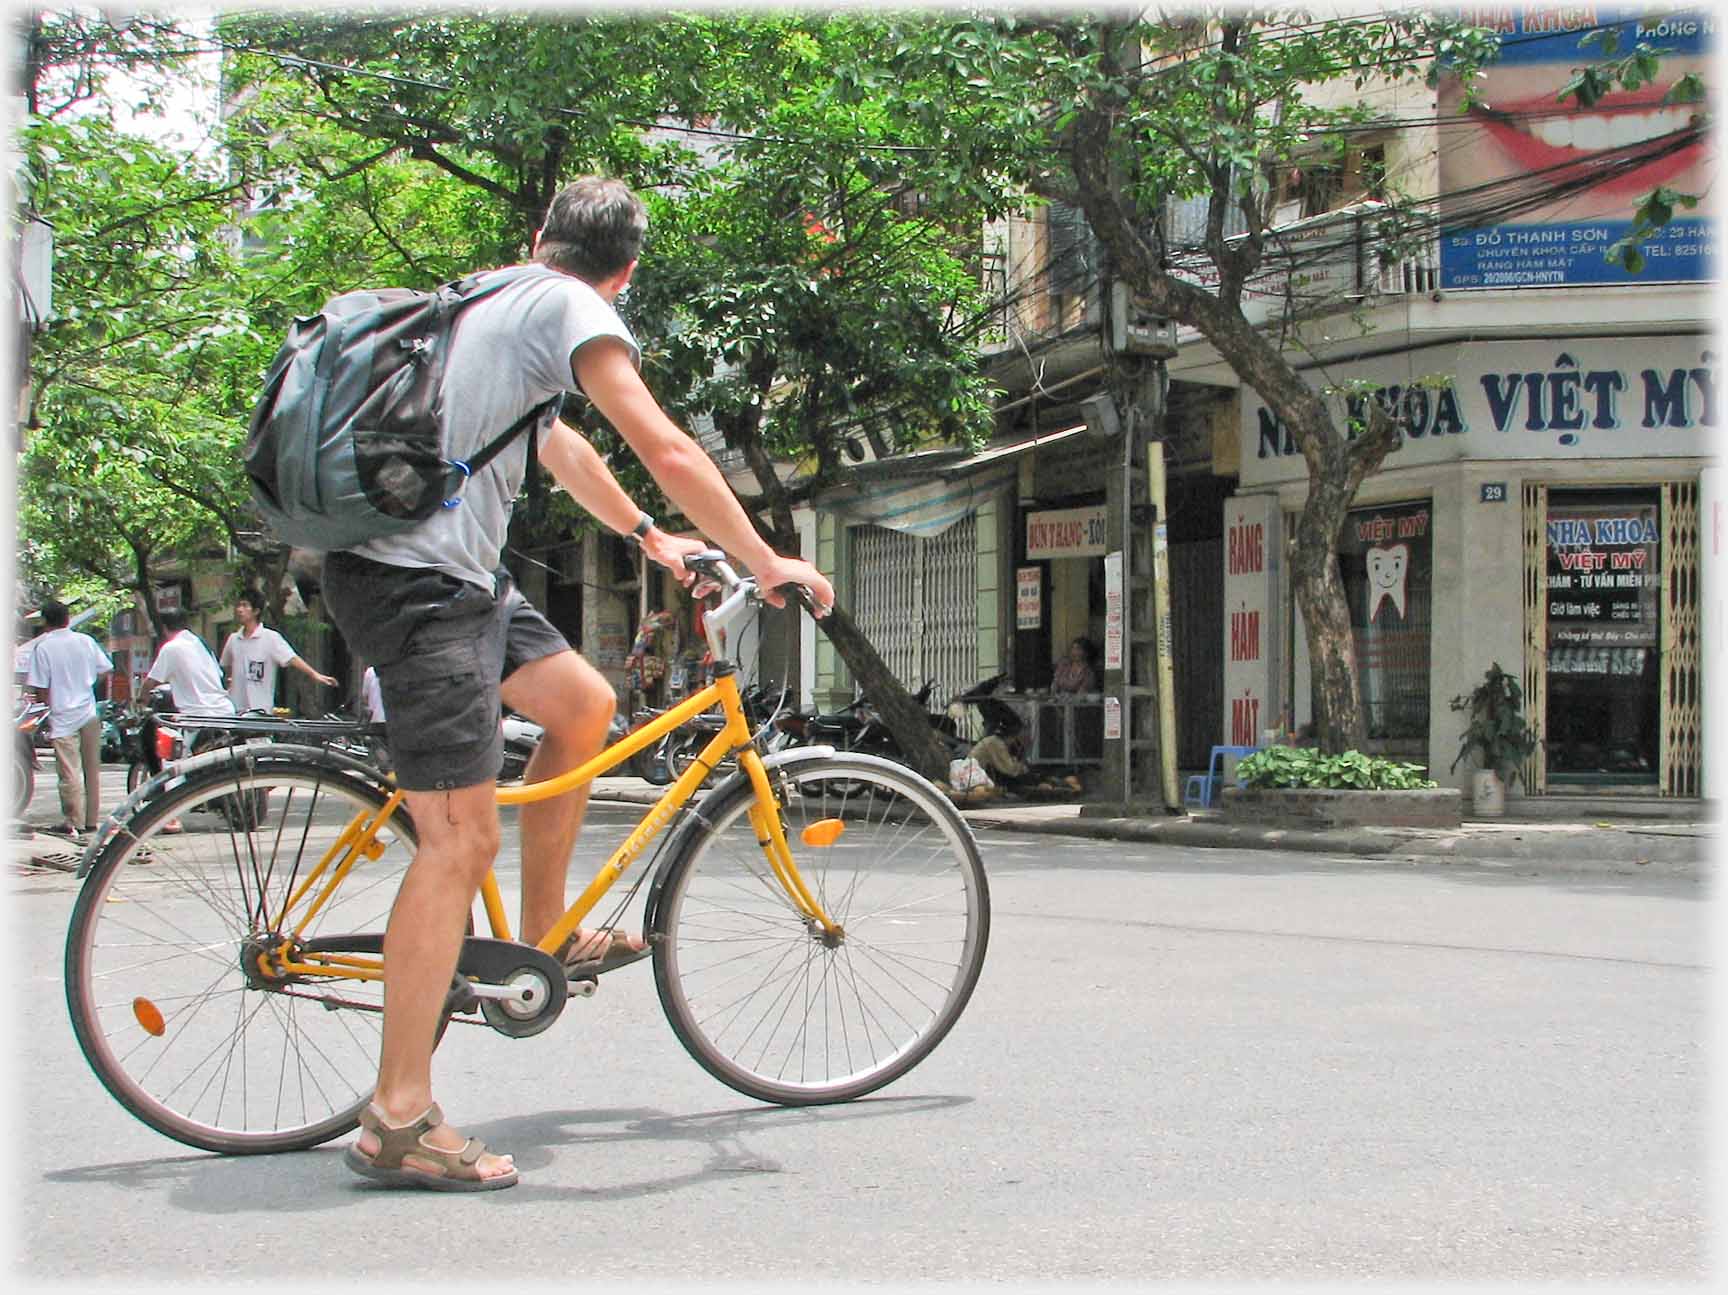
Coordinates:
[1289,766]
[1653,213]
[1495,729]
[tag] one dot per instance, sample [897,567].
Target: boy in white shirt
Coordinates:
[252,655]
[192,675]
[64,669]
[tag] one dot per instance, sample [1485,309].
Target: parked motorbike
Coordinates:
[113,747]
[141,731]
[996,717]
[858,726]
[522,738]
[26,722]
[651,764]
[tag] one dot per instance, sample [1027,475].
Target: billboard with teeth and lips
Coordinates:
[1534,191]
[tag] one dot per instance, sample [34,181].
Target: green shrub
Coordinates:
[1300,766]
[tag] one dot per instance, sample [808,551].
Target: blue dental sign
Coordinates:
[1520,139]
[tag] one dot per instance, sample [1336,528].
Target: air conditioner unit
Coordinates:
[1136,331]
[856,449]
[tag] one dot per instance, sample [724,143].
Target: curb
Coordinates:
[1678,849]
[1560,847]
[1181,831]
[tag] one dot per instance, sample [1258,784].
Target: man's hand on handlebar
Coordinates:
[771,576]
[774,579]
[669,551]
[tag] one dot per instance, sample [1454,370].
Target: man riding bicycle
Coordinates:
[451,637]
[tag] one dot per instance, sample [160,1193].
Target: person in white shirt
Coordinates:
[191,673]
[65,667]
[252,655]
[194,678]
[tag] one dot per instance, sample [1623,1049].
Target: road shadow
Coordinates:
[311,1181]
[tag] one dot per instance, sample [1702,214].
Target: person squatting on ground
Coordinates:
[65,667]
[451,636]
[253,653]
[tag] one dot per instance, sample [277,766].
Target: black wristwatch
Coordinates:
[641,529]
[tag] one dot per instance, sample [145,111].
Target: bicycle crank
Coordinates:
[518,989]
[521,989]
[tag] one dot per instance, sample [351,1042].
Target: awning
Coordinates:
[926,492]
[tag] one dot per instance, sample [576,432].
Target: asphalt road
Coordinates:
[1211,1065]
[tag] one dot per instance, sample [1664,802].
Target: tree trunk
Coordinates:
[907,721]
[1339,722]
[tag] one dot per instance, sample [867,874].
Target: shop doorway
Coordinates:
[1604,562]
[1611,657]
[916,599]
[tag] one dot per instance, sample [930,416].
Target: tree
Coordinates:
[129,458]
[1119,117]
[804,279]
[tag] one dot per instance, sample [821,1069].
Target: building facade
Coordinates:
[1546,507]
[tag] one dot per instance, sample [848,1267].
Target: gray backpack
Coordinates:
[346,444]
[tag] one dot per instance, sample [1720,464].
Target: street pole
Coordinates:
[1155,480]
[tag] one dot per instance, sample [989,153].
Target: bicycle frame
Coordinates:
[359,839]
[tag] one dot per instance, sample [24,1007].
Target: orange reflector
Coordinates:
[823,832]
[148,1016]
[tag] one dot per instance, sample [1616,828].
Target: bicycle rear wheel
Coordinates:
[162,978]
[763,998]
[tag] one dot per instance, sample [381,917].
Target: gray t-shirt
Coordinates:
[508,353]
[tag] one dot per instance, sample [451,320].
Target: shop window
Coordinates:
[1386,559]
[1604,563]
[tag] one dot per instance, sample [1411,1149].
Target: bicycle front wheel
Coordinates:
[163,979]
[766,1000]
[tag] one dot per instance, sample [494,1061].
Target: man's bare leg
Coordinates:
[459,834]
[572,701]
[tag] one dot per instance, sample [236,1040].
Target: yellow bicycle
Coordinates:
[818,922]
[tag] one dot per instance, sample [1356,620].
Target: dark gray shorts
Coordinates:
[442,647]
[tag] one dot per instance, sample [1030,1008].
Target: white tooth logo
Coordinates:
[1386,571]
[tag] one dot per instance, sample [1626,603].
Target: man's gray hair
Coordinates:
[593,229]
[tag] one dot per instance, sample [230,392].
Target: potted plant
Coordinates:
[1495,732]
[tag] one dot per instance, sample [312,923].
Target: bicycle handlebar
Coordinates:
[716,566]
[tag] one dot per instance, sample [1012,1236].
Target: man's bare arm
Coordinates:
[577,466]
[304,667]
[684,471]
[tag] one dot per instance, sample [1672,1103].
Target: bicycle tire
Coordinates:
[755,993]
[156,965]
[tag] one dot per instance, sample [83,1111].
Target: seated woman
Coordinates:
[1075,674]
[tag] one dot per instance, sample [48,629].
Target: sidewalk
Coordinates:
[1593,844]
[1596,844]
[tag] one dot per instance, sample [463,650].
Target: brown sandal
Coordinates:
[618,953]
[460,1168]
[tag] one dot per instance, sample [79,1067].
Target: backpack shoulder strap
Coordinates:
[469,290]
[494,447]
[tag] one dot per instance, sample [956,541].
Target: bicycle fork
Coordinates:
[734,736]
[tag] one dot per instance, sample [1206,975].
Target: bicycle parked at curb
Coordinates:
[809,946]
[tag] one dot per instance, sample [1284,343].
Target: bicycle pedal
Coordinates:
[584,988]
[462,998]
